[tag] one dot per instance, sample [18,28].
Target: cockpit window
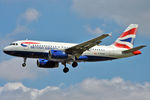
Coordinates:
[14,44]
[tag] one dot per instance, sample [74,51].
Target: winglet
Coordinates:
[110,34]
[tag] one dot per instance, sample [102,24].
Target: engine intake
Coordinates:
[43,63]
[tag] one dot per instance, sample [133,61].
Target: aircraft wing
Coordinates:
[77,50]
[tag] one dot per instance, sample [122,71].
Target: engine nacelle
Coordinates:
[43,63]
[57,54]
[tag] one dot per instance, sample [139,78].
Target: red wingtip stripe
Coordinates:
[121,45]
[129,32]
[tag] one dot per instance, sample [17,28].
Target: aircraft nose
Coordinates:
[5,50]
[8,50]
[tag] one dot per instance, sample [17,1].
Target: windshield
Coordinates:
[14,44]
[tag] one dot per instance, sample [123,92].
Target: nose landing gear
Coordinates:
[24,64]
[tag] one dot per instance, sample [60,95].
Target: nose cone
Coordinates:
[6,50]
[9,50]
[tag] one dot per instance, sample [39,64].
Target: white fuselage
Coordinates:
[40,49]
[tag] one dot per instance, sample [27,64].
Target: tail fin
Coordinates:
[126,39]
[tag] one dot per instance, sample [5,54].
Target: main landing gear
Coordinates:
[66,69]
[74,64]
[24,64]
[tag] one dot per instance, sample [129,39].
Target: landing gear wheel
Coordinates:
[24,60]
[66,69]
[74,64]
[24,64]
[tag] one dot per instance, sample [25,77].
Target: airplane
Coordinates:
[51,54]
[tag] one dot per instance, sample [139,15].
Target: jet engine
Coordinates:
[57,54]
[43,63]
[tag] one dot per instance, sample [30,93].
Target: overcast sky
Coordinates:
[74,21]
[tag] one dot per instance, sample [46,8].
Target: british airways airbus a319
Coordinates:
[50,54]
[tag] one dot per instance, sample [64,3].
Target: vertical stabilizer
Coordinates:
[126,39]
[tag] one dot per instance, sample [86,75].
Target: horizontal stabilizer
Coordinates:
[134,49]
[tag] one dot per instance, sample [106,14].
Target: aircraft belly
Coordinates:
[31,54]
[95,58]
[28,54]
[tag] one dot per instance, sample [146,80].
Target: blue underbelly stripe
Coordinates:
[45,55]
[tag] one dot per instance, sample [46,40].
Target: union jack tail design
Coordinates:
[126,39]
